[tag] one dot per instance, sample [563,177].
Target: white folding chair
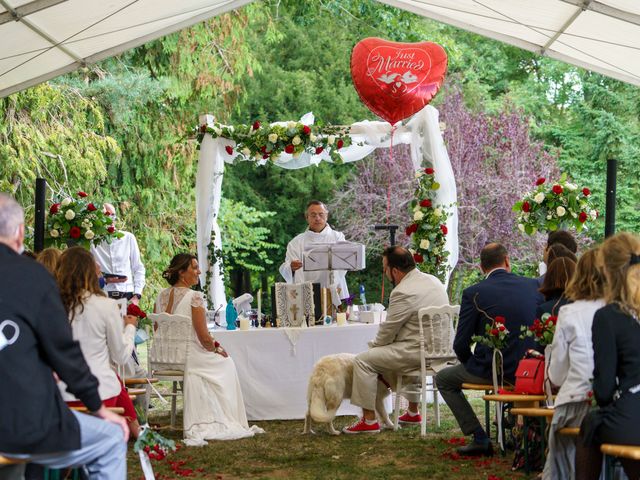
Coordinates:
[168,352]
[436,347]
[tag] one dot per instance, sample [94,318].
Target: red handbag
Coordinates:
[530,376]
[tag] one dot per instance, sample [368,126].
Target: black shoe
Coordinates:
[476,449]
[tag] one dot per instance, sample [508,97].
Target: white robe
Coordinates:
[295,251]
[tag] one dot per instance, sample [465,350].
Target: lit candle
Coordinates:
[259,306]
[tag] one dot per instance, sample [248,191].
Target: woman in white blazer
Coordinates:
[105,339]
[570,365]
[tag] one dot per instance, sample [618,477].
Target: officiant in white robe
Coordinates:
[318,232]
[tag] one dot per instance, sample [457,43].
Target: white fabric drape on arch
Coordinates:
[422,132]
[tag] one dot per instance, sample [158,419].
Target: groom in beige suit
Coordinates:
[397,344]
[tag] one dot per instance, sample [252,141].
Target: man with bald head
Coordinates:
[121,257]
[503,294]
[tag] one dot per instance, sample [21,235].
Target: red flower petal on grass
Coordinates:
[228,149]
[75,232]
[82,194]
[540,181]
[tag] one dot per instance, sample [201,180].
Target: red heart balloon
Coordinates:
[396,80]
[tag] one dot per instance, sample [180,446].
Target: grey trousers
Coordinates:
[449,382]
[103,450]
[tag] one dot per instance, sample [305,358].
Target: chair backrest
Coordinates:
[170,342]
[437,332]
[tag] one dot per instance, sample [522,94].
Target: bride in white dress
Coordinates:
[213,403]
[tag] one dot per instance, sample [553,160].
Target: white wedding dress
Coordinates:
[213,403]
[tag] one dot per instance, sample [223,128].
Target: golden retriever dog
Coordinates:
[329,384]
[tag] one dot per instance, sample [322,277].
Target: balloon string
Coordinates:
[393,129]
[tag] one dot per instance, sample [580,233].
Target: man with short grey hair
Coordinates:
[35,341]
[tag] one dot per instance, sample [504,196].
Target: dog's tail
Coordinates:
[321,409]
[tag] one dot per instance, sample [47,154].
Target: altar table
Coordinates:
[274,373]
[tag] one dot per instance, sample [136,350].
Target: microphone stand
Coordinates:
[392,231]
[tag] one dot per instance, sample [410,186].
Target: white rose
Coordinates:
[521,227]
[417,216]
[312,137]
[273,137]
[54,233]
[560,211]
[417,207]
[331,139]
[539,198]
[437,212]
[70,215]
[549,217]
[246,152]
[296,140]
[217,131]
[571,186]
[67,201]
[593,214]
[419,173]
[424,244]
[291,125]
[574,215]
[89,234]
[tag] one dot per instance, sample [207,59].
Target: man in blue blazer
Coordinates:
[501,293]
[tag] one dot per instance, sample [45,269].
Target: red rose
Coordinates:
[418,258]
[582,217]
[75,232]
[413,228]
[265,156]
[590,393]
[82,194]
[586,192]
[557,189]
[554,319]
[502,328]
[339,144]
[540,181]
[91,207]
[495,332]
[111,229]
[500,319]
[229,150]
[256,125]
[263,149]
[429,171]
[289,148]
[444,229]
[203,128]
[426,203]
[136,311]
[54,208]
[306,130]
[319,150]
[526,207]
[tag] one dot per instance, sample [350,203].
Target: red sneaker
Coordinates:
[410,419]
[362,427]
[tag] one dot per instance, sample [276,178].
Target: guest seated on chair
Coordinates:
[213,403]
[555,281]
[570,364]
[397,344]
[96,322]
[501,293]
[616,374]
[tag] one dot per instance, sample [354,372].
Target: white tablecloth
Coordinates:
[274,375]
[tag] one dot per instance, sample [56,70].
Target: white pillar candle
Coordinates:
[244,323]
[341,318]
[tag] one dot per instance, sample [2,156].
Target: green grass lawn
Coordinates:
[283,452]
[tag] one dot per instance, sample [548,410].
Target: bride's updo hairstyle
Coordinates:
[620,257]
[179,263]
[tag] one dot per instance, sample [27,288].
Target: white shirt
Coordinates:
[121,257]
[571,362]
[103,338]
[295,251]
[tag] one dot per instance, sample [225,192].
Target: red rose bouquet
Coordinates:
[495,334]
[542,329]
[136,311]
[78,221]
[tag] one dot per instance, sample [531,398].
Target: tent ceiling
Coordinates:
[41,39]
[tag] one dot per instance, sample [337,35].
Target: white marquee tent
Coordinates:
[41,39]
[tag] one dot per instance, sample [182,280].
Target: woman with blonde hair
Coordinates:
[570,364]
[49,257]
[616,374]
[105,339]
